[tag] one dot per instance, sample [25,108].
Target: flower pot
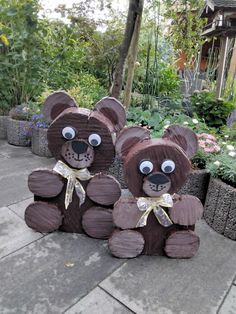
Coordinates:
[220,208]
[39,142]
[3,127]
[197,184]
[116,170]
[18,132]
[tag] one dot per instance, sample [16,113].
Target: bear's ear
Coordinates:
[129,137]
[113,110]
[56,103]
[184,137]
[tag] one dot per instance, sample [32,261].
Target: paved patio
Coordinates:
[71,273]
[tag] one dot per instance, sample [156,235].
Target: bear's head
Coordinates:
[83,138]
[153,167]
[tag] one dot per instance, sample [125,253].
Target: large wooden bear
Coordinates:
[68,197]
[152,221]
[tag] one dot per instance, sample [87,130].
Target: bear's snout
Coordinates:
[156,184]
[79,147]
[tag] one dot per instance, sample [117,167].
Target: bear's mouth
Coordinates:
[157,188]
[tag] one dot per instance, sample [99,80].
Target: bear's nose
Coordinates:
[79,147]
[158,178]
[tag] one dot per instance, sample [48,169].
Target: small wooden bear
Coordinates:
[68,197]
[153,222]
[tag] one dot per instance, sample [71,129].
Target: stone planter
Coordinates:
[3,127]
[220,208]
[39,142]
[197,184]
[18,132]
[116,170]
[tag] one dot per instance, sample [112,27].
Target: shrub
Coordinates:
[214,111]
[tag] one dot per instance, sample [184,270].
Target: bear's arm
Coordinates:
[45,183]
[126,213]
[187,209]
[104,189]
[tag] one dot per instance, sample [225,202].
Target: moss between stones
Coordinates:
[220,208]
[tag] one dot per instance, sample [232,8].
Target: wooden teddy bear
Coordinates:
[68,197]
[152,221]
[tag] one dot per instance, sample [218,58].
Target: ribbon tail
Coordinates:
[69,191]
[162,217]
[143,219]
[80,192]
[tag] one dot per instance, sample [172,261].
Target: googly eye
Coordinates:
[94,139]
[68,133]
[168,166]
[146,167]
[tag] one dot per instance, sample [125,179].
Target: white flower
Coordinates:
[230,147]
[217,163]
[166,126]
[185,123]
[167,122]
[224,143]
[195,121]
[226,136]
[232,154]
[137,63]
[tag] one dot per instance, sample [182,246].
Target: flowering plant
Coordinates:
[223,165]
[208,143]
[38,121]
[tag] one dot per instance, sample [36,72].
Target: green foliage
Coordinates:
[87,91]
[223,166]
[200,159]
[186,26]
[214,111]
[24,111]
[21,67]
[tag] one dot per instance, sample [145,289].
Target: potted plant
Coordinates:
[18,126]
[220,205]
[4,111]
[39,142]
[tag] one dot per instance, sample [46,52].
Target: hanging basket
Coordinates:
[18,132]
[39,145]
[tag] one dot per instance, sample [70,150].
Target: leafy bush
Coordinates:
[87,91]
[214,111]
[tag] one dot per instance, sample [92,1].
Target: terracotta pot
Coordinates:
[18,132]
[39,142]
[3,127]
[197,184]
[220,208]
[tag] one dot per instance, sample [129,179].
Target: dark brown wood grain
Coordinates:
[182,244]
[126,243]
[156,151]
[126,213]
[97,222]
[184,137]
[55,103]
[186,211]
[104,189]
[45,183]
[128,138]
[85,123]
[113,110]
[43,217]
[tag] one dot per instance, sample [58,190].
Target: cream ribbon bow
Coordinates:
[148,204]
[73,176]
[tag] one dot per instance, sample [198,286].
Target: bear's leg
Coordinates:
[97,222]
[126,243]
[43,217]
[182,244]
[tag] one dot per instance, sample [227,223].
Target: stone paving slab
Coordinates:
[162,285]
[14,233]
[229,306]
[98,302]
[53,273]
[19,208]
